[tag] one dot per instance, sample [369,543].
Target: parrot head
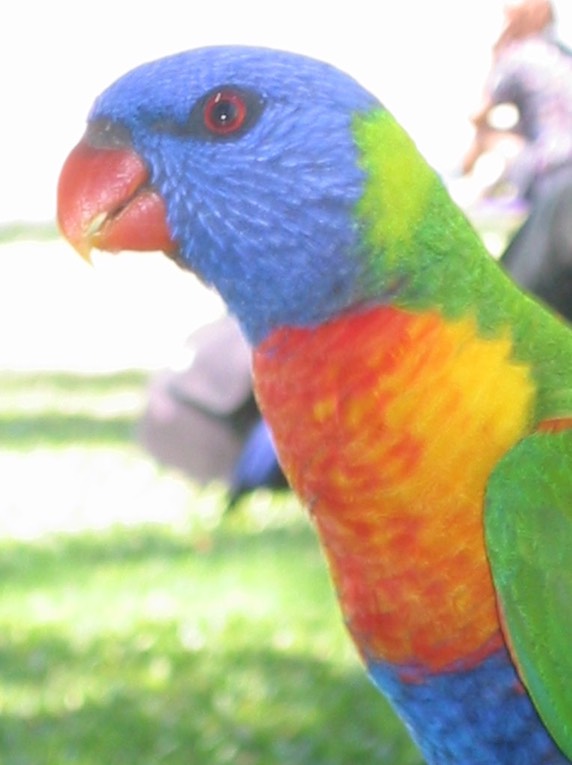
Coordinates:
[241,165]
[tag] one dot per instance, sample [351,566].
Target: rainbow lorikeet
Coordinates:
[420,403]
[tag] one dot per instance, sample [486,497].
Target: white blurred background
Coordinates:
[425,60]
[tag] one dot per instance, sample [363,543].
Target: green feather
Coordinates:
[528,530]
[423,251]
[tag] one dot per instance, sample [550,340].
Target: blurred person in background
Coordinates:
[202,419]
[532,73]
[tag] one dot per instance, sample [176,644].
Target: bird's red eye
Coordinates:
[225,112]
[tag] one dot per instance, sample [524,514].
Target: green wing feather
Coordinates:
[528,524]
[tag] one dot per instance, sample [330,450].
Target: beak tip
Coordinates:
[80,244]
[85,254]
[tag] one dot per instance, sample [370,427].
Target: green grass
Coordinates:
[59,409]
[25,231]
[195,639]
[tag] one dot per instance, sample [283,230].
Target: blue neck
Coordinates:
[481,716]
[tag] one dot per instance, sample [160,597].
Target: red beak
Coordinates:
[104,201]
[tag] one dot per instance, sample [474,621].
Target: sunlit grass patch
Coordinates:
[147,645]
[139,624]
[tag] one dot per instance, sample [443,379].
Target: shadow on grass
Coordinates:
[68,382]
[114,702]
[141,645]
[36,409]
[40,430]
[49,561]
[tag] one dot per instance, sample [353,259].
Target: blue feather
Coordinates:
[257,465]
[454,716]
[244,224]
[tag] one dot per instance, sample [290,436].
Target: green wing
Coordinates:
[528,526]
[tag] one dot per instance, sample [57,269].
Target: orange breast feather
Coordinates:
[388,425]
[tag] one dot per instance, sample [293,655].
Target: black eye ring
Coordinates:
[222,114]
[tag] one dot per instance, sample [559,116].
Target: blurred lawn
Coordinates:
[151,630]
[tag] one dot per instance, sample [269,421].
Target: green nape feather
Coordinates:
[528,530]
[424,242]
[421,244]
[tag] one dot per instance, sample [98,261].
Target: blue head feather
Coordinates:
[266,216]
